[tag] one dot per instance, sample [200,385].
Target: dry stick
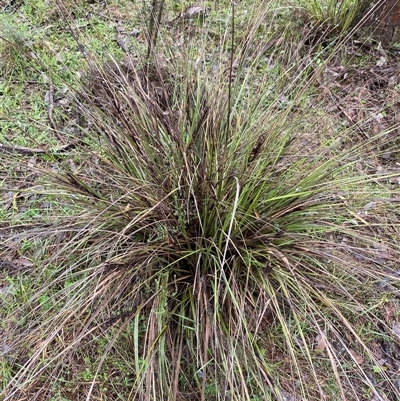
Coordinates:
[50,108]
[33,151]
[120,40]
[228,126]
[154,25]
[337,102]
[67,19]
[229,106]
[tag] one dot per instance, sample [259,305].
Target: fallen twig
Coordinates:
[51,104]
[337,102]
[33,151]
[50,107]
[120,39]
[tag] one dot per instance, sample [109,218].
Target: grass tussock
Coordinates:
[333,17]
[212,250]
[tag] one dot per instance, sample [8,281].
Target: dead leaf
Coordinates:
[32,162]
[321,343]
[193,12]
[357,357]
[273,42]
[381,61]
[22,262]
[378,396]
[396,329]
[390,311]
